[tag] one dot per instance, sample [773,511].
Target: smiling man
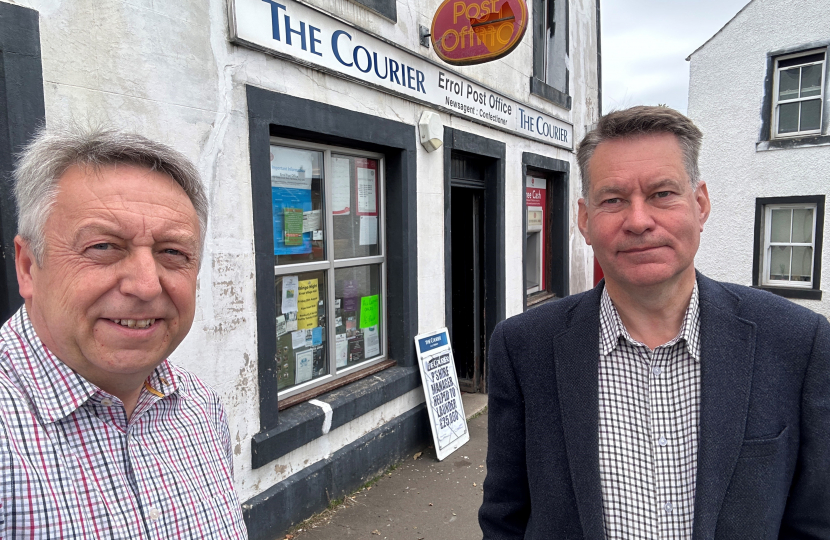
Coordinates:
[660,404]
[100,435]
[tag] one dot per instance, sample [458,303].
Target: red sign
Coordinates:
[468,32]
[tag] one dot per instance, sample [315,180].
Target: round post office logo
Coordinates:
[468,32]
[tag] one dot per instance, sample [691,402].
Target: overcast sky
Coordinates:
[645,44]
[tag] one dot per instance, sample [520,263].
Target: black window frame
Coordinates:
[539,85]
[388,9]
[814,293]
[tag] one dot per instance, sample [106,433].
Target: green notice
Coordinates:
[293,223]
[369,311]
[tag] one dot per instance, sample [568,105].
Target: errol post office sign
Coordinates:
[468,32]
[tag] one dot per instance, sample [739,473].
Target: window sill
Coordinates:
[537,299]
[802,294]
[549,93]
[794,142]
[303,423]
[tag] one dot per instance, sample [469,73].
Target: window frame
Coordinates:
[776,103]
[539,85]
[760,263]
[768,244]
[331,264]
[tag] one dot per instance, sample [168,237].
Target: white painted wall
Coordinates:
[726,89]
[167,70]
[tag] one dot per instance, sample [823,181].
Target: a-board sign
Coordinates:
[468,32]
[443,397]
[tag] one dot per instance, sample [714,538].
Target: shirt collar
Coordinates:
[54,389]
[612,328]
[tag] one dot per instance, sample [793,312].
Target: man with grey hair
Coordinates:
[660,404]
[100,435]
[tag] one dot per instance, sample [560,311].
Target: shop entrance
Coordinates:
[468,269]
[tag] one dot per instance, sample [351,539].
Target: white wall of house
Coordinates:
[726,91]
[167,70]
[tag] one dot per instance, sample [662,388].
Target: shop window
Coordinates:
[798,94]
[788,242]
[550,51]
[535,245]
[329,262]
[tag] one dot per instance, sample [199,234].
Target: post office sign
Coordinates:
[468,32]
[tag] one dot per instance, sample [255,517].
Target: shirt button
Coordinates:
[154,514]
[668,508]
[663,442]
[657,370]
[106,402]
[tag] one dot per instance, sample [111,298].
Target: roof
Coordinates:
[721,29]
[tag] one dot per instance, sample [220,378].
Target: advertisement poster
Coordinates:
[290,199]
[341,350]
[308,298]
[289,294]
[443,396]
[305,365]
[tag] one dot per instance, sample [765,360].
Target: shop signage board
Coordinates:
[468,32]
[443,397]
[302,34]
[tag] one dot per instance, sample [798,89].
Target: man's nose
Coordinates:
[639,219]
[140,277]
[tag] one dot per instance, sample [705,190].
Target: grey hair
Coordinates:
[642,120]
[53,150]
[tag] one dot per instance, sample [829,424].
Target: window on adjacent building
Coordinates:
[798,93]
[789,233]
[550,51]
[329,262]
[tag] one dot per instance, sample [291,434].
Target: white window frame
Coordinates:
[820,97]
[767,246]
[330,264]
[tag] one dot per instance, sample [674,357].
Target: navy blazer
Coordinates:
[764,435]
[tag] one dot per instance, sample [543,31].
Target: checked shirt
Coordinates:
[73,466]
[649,409]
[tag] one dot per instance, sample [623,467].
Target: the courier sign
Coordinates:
[475,31]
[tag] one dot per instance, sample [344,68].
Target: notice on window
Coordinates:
[368,230]
[308,298]
[311,221]
[443,396]
[291,321]
[281,325]
[369,306]
[289,294]
[293,226]
[350,295]
[366,191]
[371,341]
[341,350]
[305,363]
[340,186]
[316,336]
[298,339]
[291,168]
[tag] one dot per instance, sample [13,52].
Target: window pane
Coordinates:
[788,118]
[358,319]
[811,80]
[354,205]
[297,203]
[802,263]
[780,225]
[779,266]
[803,225]
[301,328]
[810,114]
[788,84]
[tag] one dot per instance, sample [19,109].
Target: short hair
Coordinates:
[53,150]
[642,120]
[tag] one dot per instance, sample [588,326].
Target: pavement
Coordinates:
[421,499]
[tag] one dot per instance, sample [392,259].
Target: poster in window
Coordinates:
[340,186]
[305,365]
[367,193]
[291,173]
[309,296]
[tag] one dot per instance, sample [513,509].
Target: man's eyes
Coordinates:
[613,200]
[662,194]
[102,246]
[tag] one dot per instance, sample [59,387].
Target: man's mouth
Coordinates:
[134,323]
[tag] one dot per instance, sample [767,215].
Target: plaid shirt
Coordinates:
[649,410]
[73,466]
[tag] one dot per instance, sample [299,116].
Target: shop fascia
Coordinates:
[304,35]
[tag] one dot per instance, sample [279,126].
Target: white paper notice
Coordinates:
[371,341]
[366,198]
[290,290]
[311,221]
[368,230]
[340,193]
[298,339]
[280,325]
[303,371]
[341,350]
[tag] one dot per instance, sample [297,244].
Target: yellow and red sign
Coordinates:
[468,32]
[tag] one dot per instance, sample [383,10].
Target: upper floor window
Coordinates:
[550,51]
[799,93]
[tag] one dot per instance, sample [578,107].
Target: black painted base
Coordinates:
[275,510]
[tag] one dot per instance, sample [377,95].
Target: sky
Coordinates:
[645,44]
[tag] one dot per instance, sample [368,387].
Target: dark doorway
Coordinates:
[468,269]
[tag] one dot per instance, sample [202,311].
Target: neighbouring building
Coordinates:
[759,91]
[335,235]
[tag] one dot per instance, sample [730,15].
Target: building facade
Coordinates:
[759,91]
[338,232]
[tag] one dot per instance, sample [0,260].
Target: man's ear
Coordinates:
[24,263]
[702,198]
[582,220]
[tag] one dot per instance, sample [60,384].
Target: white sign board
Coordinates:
[446,412]
[302,34]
